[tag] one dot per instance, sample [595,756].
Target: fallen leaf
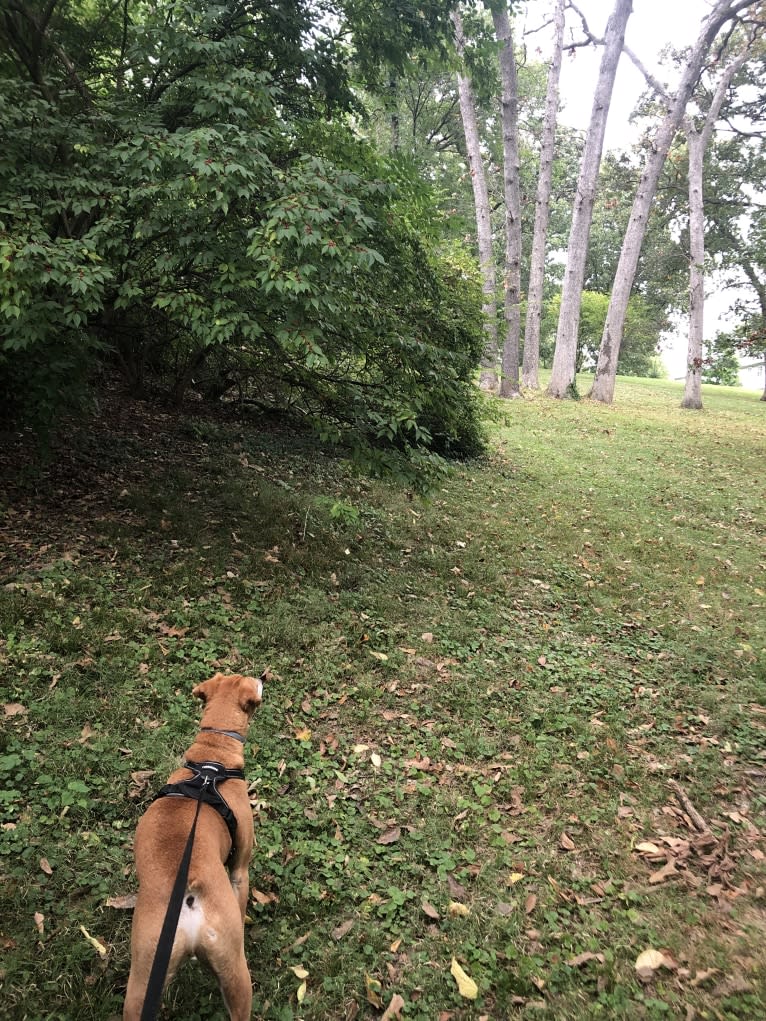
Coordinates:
[96,944]
[395,946]
[301,993]
[650,961]
[646,847]
[379,655]
[394,1008]
[299,971]
[580,959]
[124,903]
[390,836]
[664,873]
[343,929]
[465,984]
[14,709]
[530,903]
[430,910]
[515,877]
[458,910]
[45,866]
[427,637]
[264,898]
[40,922]
[376,760]
[566,843]
[373,989]
[303,734]
[457,891]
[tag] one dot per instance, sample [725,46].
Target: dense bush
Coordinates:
[165,211]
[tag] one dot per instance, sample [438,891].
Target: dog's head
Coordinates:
[228,695]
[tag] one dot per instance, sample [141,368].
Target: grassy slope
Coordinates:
[479,700]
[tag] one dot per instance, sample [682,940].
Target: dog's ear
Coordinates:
[250,693]
[207,688]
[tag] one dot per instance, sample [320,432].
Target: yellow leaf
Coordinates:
[458,910]
[303,734]
[373,990]
[301,994]
[299,971]
[376,760]
[97,946]
[465,984]
[515,877]
[379,655]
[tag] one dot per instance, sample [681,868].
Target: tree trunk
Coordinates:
[693,388]
[509,382]
[531,363]
[698,142]
[563,374]
[488,377]
[606,367]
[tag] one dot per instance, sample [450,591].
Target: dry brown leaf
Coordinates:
[264,898]
[40,922]
[126,902]
[343,929]
[14,709]
[389,836]
[664,873]
[580,959]
[430,910]
[394,1008]
[530,903]
[566,843]
[45,866]
[457,891]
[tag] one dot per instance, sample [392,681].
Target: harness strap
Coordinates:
[203,786]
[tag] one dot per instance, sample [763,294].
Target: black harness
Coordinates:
[203,787]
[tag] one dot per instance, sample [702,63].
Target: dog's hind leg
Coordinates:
[237,989]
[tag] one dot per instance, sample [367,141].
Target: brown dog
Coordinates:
[211,924]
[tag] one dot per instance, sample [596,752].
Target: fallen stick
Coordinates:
[691,811]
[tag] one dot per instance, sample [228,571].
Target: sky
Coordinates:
[653,25]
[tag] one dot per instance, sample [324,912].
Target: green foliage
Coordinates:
[166,210]
[643,326]
[721,365]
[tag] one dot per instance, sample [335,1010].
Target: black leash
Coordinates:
[203,787]
[156,983]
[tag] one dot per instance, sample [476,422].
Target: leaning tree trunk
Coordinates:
[509,381]
[606,366]
[531,362]
[488,377]
[698,142]
[565,354]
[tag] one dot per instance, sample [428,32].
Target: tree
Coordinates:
[698,139]
[488,378]
[562,375]
[606,367]
[509,104]
[529,375]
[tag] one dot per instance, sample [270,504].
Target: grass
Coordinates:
[479,700]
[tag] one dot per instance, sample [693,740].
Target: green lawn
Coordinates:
[475,712]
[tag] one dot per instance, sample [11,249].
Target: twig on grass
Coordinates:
[691,811]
